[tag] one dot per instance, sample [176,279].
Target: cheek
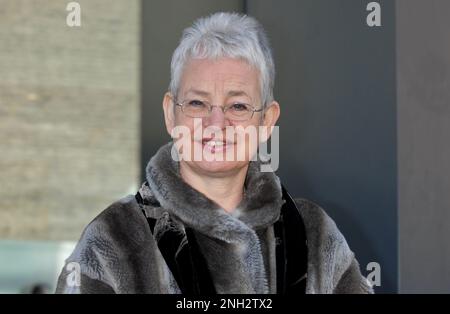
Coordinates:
[183,122]
[188,137]
[248,140]
[180,119]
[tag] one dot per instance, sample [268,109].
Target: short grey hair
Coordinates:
[231,35]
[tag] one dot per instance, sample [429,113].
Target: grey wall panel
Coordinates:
[423,65]
[336,87]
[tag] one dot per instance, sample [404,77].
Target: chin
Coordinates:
[217,168]
[216,161]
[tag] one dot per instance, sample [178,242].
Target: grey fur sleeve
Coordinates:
[353,282]
[332,267]
[84,271]
[87,285]
[116,253]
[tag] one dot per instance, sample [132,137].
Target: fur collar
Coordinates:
[259,209]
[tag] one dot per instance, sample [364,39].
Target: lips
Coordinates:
[215,145]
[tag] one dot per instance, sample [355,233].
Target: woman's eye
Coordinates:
[239,107]
[196,103]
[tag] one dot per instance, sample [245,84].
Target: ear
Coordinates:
[169,112]
[271,115]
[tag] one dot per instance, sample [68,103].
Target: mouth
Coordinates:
[215,145]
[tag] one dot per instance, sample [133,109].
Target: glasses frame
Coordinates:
[224,109]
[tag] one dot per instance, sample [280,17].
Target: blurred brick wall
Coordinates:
[69,114]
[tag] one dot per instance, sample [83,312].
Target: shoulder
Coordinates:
[328,252]
[317,222]
[111,238]
[117,223]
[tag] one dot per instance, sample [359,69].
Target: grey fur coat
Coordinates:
[118,254]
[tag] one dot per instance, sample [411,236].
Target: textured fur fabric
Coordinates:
[118,254]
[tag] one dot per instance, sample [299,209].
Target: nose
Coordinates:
[217,118]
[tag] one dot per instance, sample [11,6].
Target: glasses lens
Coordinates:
[239,111]
[196,108]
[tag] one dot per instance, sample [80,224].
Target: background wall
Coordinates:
[69,110]
[423,80]
[69,128]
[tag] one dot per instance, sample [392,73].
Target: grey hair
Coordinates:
[231,35]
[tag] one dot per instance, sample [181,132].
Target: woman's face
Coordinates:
[218,144]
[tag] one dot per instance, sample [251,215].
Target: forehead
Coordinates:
[219,75]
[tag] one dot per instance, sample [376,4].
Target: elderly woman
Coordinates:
[213,222]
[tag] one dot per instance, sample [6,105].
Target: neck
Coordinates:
[226,191]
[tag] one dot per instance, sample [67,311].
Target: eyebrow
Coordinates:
[237,93]
[197,92]
[231,93]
